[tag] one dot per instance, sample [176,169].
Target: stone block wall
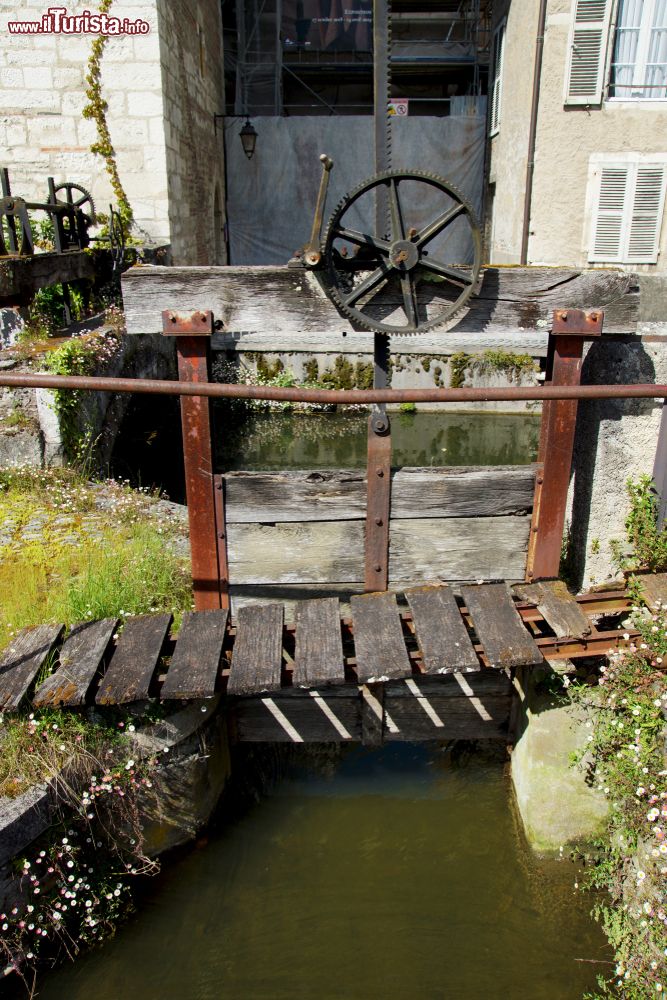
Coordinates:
[163,89]
[193,88]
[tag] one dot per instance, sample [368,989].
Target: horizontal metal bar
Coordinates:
[162,387]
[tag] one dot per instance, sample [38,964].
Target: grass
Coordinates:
[65,575]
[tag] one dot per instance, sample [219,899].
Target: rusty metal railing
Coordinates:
[217,390]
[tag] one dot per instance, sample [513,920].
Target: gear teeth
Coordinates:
[329,272]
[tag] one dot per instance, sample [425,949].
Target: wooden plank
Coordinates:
[654,590]
[318,653]
[22,660]
[421,715]
[296,496]
[80,660]
[431,344]
[281,300]
[20,277]
[430,549]
[134,660]
[257,655]
[195,664]
[504,637]
[441,632]
[297,716]
[557,606]
[379,645]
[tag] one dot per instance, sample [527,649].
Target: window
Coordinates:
[626,195]
[638,64]
[496,88]
[639,61]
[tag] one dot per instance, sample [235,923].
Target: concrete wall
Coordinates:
[566,137]
[190,36]
[162,89]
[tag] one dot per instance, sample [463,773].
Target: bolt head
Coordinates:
[380,472]
[378,521]
[377,568]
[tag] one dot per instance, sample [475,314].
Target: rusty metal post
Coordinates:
[193,332]
[378,504]
[571,327]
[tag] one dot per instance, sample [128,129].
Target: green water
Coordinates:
[276,440]
[396,874]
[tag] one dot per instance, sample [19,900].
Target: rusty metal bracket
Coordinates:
[585,323]
[194,324]
[378,508]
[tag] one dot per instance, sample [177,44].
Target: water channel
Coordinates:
[398,873]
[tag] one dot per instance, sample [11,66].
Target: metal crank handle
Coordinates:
[312,252]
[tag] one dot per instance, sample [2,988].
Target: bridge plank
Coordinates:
[340,495]
[557,606]
[295,716]
[654,589]
[422,714]
[499,628]
[134,660]
[441,632]
[257,654]
[379,645]
[318,653]
[22,660]
[195,664]
[421,549]
[80,660]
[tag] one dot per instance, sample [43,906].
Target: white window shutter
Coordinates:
[608,225]
[497,84]
[587,51]
[647,209]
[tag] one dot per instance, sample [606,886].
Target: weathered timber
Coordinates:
[257,655]
[504,637]
[372,714]
[654,590]
[195,665]
[429,716]
[281,300]
[22,660]
[80,659]
[318,653]
[268,497]
[21,277]
[134,660]
[489,548]
[380,648]
[300,718]
[557,606]
[441,633]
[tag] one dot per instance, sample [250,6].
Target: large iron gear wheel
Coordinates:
[404,272]
[78,197]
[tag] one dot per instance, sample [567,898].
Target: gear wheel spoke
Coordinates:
[78,197]
[391,284]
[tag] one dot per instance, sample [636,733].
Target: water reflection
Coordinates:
[276,440]
[396,874]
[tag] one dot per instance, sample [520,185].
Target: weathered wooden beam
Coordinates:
[21,277]
[421,550]
[340,495]
[282,301]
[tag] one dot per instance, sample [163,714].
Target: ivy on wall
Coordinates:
[96,109]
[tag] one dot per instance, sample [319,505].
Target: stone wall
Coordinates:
[193,88]
[43,132]
[162,89]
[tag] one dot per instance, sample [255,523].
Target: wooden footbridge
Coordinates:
[423,652]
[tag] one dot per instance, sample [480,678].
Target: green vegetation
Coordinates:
[96,109]
[648,542]
[75,564]
[408,408]
[513,365]
[46,313]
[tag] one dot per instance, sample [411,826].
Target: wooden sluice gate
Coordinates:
[434,666]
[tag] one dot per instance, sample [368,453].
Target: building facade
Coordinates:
[596,184]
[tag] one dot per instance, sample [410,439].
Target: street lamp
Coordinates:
[248,137]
